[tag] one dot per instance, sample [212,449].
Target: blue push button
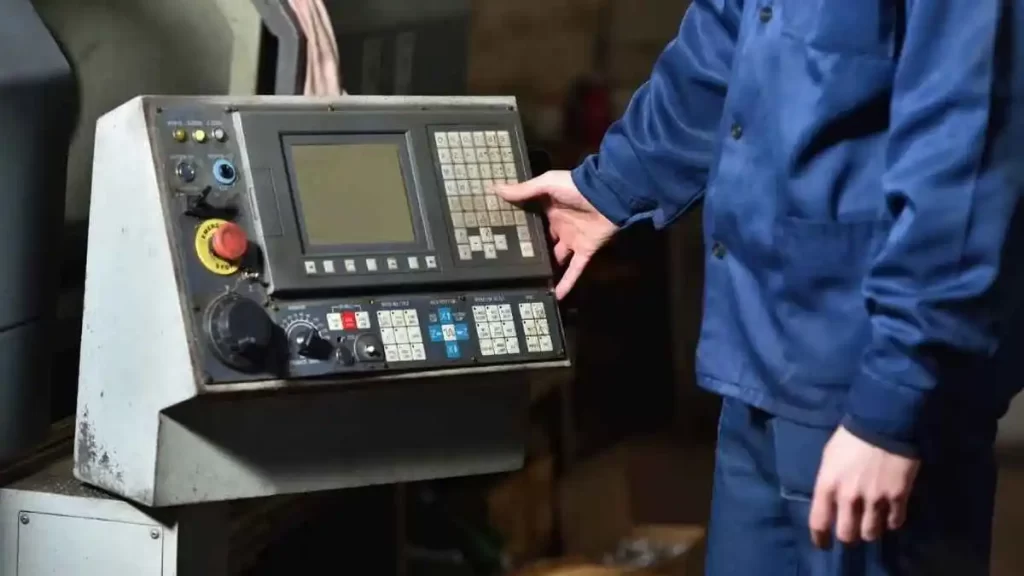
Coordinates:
[435,333]
[462,332]
[452,349]
[446,315]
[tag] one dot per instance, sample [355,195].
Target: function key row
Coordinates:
[474,139]
[370,265]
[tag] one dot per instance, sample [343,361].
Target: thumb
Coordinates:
[524,191]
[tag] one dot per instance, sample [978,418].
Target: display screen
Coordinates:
[352,194]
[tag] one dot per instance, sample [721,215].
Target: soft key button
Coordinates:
[532,344]
[500,346]
[530,327]
[418,353]
[404,352]
[486,347]
[397,318]
[545,343]
[363,320]
[483,330]
[412,318]
[512,345]
[384,319]
[496,329]
[334,322]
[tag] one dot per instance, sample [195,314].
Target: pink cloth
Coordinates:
[323,66]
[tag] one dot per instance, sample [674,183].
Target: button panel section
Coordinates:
[486,228]
[421,332]
[369,265]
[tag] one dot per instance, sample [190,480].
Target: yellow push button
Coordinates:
[199,135]
[180,135]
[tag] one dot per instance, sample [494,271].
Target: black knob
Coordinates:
[369,348]
[345,356]
[186,171]
[206,204]
[240,332]
[310,344]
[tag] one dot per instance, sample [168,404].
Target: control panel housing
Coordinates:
[323,241]
[297,294]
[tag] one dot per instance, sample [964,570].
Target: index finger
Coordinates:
[523,191]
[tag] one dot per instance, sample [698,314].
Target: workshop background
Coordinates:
[620,458]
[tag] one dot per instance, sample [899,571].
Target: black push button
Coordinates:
[736,131]
[765,14]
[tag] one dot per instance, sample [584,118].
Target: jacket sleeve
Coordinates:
[654,161]
[941,284]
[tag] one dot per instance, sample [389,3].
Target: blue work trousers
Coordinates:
[764,477]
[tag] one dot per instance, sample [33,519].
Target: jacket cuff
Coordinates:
[884,414]
[867,434]
[611,203]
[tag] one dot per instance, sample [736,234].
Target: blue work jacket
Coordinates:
[861,166]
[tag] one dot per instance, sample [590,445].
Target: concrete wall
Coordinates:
[123,48]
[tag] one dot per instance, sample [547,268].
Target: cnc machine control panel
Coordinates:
[321,240]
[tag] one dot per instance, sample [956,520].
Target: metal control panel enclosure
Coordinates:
[463,248]
[254,261]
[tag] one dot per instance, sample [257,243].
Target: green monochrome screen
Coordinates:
[352,194]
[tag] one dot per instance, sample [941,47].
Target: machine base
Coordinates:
[52,524]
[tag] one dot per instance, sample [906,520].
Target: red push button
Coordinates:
[348,320]
[229,242]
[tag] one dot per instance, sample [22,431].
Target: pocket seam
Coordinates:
[793,495]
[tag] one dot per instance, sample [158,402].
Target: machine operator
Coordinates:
[860,169]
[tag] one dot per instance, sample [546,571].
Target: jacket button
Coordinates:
[736,131]
[718,250]
[765,14]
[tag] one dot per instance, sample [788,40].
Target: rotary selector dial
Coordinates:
[307,337]
[240,332]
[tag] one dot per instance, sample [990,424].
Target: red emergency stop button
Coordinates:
[229,242]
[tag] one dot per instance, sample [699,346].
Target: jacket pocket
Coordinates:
[852,27]
[798,451]
[823,320]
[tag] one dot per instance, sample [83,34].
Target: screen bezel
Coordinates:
[421,241]
[258,130]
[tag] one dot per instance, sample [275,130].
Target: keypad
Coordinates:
[450,328]
[499,334]
[402,335]
[486,227]
[535,326]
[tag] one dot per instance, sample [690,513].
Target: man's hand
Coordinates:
[861,489]
[577,228]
